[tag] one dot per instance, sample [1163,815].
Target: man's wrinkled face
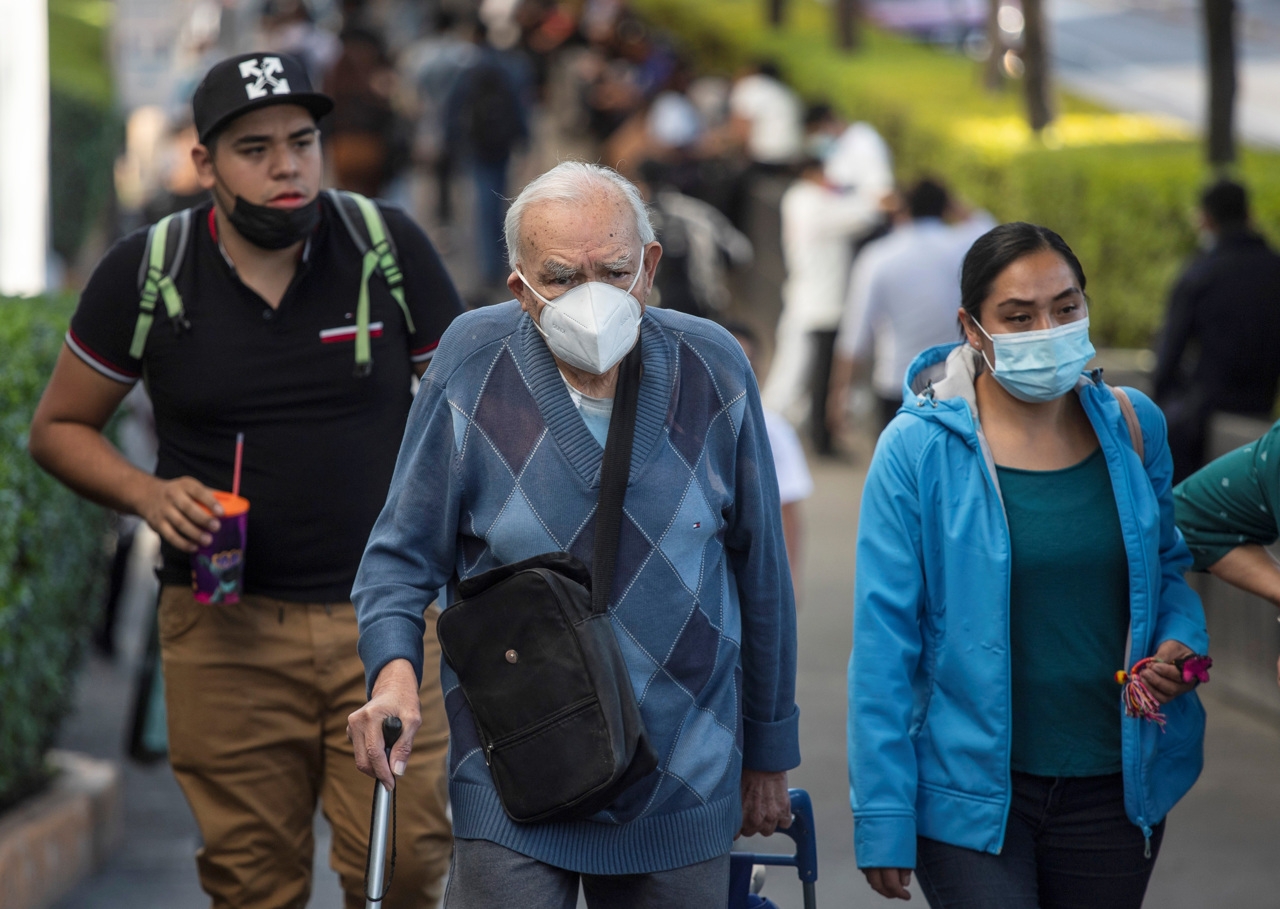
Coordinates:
[564,245]
[270,156]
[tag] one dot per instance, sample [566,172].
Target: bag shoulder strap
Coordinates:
[161,261]
[368,230]
[1130,420]
[613,480]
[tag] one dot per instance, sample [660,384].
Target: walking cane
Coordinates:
[383,804]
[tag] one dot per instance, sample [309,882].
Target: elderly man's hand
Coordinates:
[395,693]
[766,804]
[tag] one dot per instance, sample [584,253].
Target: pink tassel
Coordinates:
[1139,702]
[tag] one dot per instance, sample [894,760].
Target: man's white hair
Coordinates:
[573,183]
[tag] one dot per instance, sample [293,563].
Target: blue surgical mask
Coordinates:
[820,145]
[1039,366]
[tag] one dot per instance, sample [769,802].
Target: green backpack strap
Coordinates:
[378,253]
[161,259]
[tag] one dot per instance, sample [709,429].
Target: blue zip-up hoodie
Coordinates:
[929,678]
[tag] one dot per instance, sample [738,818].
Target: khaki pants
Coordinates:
[258,695]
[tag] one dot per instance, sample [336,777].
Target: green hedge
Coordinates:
[50,556]
[1120,188]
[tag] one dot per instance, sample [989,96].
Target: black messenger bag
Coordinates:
[541,670]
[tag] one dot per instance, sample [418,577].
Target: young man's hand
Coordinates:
[183,511]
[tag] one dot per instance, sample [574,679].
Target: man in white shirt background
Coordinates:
[767,116]
[903,296]
[854,155]
[820,225]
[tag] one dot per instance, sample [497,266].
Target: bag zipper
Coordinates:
[516,737]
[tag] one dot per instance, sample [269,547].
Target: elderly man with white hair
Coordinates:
[501,461]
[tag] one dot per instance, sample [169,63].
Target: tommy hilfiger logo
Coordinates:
[348,333]
[264,74]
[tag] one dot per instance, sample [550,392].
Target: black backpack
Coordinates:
[494,123]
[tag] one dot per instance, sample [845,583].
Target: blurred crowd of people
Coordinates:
[442,107]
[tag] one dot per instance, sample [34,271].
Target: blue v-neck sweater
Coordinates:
[497,466]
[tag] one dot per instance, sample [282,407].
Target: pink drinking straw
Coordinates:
[235,476]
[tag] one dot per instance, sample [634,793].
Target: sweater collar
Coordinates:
[561,416]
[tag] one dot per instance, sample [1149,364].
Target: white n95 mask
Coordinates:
[592,326]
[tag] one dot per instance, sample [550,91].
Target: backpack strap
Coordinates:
[1130,420]
[161,260]
[368,231]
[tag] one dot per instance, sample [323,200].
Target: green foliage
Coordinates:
[86,129]
[50,556]
[1121,189]
[78,49]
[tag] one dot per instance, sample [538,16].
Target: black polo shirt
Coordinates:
[320,443]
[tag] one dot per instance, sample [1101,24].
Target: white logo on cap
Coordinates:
[264,75]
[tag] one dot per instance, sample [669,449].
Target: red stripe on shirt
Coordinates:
[101,359]
[350,335]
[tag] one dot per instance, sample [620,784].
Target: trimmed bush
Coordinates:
[50,556]
[1120,188]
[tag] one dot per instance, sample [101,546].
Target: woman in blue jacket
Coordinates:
[1016,549]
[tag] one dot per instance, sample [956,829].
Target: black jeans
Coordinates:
[1068,845]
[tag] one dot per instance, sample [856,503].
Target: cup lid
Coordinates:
[232,505]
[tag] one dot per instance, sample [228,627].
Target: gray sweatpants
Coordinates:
[484,875]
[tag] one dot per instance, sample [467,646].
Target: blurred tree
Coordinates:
[1035,58]
[1220,35]
[992,68]
[776,11]
[848,17]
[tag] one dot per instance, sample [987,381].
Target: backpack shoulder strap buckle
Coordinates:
[161,260]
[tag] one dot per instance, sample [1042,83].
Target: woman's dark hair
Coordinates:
[999,248]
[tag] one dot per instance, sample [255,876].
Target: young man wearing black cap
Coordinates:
[274,323]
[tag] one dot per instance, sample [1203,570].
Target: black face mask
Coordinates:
[274,228]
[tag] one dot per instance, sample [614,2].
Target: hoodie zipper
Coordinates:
[1136,646]
[988,470]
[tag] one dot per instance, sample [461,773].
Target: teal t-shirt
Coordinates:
[1069,617]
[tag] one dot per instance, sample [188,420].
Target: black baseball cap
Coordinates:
[247,82]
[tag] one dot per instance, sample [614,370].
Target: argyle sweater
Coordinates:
[497,465]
